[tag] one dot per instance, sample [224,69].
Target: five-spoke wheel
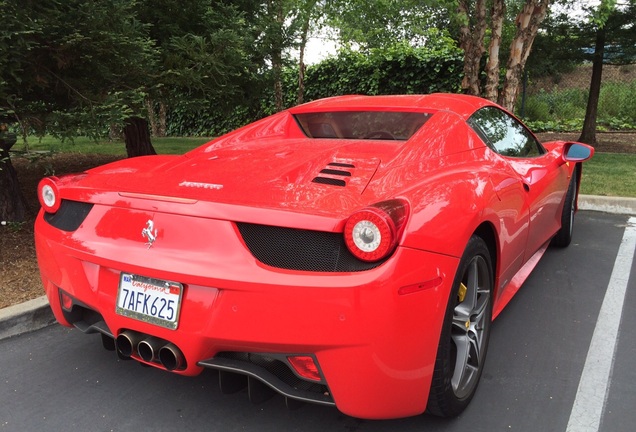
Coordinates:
[464,339]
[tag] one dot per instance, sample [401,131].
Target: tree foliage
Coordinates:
[83,63]
[366,25]
[396,69]
[203,53]
[74,64]
[608,20]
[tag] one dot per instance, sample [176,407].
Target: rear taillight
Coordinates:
[49,195]
[372,234]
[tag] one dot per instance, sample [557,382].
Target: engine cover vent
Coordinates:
[335,174]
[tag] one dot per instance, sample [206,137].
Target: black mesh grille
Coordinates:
[70,215]
[297,249]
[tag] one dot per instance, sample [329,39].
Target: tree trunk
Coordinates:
[491,90]
[115,132]
[137,138]
[13,205]
[163,122]
[527,22]
[301,61]
[588,134]
[307,12]
[276,9]
[156,119]
[152,118]
[471,40]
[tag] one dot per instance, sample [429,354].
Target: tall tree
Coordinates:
[527,22]
[79,64]
[472,16]
[614,28]
[202,55]
[16,25]
[308,11]
[498,12]
[474,24]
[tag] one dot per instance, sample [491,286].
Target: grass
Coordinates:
[609,174]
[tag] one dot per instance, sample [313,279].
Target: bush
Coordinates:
[563,110]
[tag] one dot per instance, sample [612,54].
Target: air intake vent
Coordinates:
[334,174]
[342,165]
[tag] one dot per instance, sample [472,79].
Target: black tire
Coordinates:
[563,237]
[465,333]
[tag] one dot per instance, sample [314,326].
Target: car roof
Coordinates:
[462,105]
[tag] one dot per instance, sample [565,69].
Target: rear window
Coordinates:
[380,125]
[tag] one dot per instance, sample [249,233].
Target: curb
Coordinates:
[616,205]
[25,317]
[36,314]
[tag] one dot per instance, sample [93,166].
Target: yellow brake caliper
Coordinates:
[461,295]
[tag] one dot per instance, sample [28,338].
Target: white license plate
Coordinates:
[150,300]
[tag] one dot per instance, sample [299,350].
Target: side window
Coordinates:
[504,134]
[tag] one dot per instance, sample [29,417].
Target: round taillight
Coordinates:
[371,234]
[49,195]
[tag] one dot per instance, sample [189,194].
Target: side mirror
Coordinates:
[577,152]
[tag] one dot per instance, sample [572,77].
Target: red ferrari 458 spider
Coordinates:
[351,251]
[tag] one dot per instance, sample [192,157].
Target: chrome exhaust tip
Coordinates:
[171,357]
[148,349]
[126,342]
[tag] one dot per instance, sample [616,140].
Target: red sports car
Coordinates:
[351,251]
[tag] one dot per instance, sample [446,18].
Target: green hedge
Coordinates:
[399,69]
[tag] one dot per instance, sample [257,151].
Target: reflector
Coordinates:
[305,367]
[66,300]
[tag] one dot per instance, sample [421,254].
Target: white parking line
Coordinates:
[592,392]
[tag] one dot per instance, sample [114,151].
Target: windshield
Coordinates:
[382,125]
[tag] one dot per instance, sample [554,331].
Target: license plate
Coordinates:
[150,300]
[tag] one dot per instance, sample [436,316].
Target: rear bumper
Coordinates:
[375,348]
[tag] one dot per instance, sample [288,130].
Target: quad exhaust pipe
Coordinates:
[126,342]
[150,349]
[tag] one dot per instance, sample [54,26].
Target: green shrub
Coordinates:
[563,110]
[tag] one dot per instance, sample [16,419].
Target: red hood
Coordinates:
[304,175]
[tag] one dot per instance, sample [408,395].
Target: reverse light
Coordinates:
[371,234]
[66,301]
[305,366]
[49,195]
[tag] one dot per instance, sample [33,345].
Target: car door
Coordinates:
[539,173]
